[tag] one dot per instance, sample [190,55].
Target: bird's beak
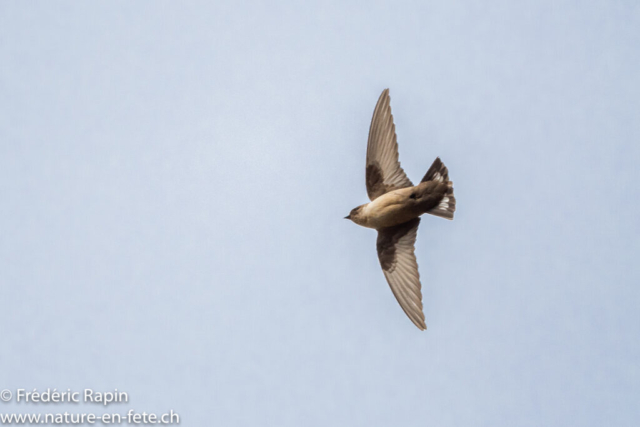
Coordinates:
[348,216]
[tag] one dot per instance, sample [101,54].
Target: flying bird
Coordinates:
[395,209]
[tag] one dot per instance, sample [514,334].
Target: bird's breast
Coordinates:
[392,208]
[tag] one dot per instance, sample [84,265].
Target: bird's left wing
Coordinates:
[396,254]
[384,172]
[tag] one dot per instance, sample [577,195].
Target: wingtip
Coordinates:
[419,322]
[423,325]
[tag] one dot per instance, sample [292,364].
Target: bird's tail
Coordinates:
[447,206]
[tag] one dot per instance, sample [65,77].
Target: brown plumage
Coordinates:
[395,207]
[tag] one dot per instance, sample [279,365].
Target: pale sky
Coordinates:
[174,177]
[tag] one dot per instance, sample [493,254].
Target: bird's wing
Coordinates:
[384,172]
[396,253]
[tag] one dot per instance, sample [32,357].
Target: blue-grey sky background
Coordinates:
[173,182]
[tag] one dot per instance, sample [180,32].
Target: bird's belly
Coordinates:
[388,210]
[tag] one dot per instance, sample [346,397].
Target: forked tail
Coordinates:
[438,172]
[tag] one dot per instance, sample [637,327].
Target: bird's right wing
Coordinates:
[396,254]
[384,172]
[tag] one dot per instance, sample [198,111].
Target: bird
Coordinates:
[396,206]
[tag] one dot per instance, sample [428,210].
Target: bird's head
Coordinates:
[354,214]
